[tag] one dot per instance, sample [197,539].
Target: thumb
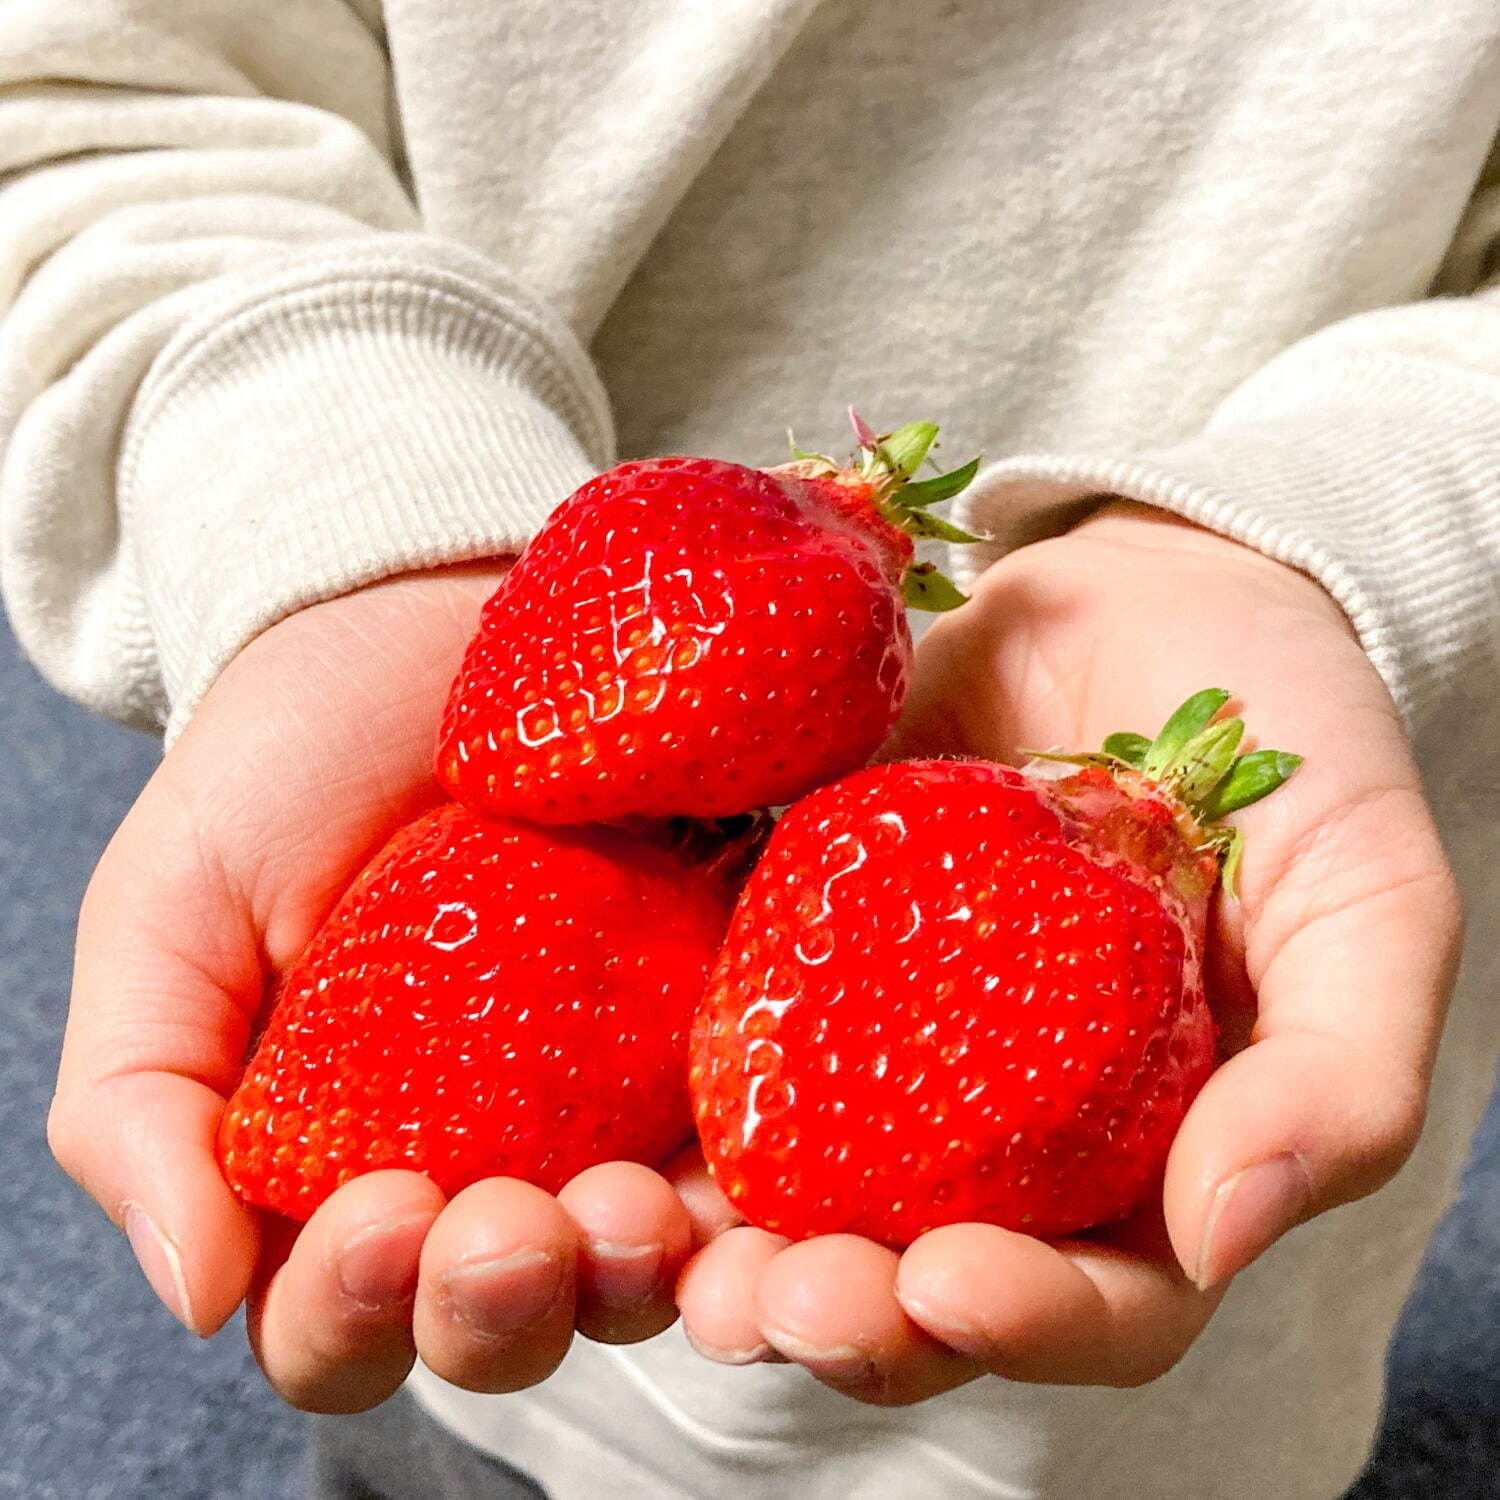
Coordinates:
[167,981]
[1328,1100]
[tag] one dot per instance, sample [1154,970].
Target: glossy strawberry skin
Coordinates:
[955,992]
[683,637]
[487,999]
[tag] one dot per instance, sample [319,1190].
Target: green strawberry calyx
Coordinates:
[888,463]
[1196,757]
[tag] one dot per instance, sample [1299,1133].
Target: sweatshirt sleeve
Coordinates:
[1367,455]
[235,376]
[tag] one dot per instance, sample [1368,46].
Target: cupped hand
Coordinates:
[310,749]
[1330,976]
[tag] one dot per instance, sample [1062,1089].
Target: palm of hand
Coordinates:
[1329,978]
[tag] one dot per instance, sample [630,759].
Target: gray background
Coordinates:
[103,1397]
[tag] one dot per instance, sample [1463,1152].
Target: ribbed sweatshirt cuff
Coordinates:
[1374,474]
[340,423]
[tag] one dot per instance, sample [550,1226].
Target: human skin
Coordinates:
[1331,978]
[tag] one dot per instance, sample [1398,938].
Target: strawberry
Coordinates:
[688,636]
[957,991]
[487,998]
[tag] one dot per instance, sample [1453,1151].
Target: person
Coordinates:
[315,308]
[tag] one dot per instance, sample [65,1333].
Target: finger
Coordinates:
[708,1210]
[716,1295]
[1351,944]
[331,1327]
[495,1306]
[166,979]
[142,1146]
[830,1304]
[1077,1313]
[635,1235]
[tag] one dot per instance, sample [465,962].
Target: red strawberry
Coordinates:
[688,636]
[488,998]
[956,991]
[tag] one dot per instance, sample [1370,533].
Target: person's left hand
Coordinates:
[1330,977]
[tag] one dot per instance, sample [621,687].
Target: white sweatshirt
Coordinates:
[301,293]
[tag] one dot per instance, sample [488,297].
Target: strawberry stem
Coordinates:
[725,849]
[1205,760]
[1195,755]
[924,587]
[900,452]
[1131,748]
[1190,719]
[887,462]
[1251,777]
[864,434]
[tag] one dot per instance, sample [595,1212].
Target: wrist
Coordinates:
[1120,522]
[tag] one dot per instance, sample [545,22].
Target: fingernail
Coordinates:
[496,1298]
[377,1268]
[1249,1213]
[159,1261]
[955,1331]
[755,1354]
[624,1273]
[843,1364]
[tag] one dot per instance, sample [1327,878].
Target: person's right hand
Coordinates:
[310,749]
